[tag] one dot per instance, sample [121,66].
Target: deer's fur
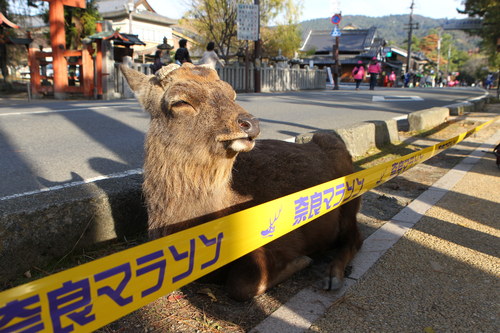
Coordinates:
[202,162]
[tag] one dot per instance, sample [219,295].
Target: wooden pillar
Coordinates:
[88,72]
[34,66]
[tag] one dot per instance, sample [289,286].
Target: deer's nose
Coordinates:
[249,125]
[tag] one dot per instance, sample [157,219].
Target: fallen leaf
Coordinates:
[175,297]
[209,293]
[429,330]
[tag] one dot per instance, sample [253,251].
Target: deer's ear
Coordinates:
[136,80]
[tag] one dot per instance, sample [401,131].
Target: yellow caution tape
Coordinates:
[87,297]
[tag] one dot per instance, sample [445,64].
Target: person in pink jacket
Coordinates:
[358,73]
[374,69]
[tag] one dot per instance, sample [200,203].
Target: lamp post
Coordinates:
[130,8]
[335,49]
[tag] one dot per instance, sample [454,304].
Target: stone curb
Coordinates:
[361,137]
[39,229]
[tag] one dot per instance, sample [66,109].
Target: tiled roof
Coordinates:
[355,40]
[118,8]
[119,38]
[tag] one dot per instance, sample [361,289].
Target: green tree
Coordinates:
[286,36]
[489,11]
[78,23]
[215,20]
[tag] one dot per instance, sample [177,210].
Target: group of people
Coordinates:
[374,69]
[209,58]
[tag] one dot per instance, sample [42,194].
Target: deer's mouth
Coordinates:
[237,143]
[242,144]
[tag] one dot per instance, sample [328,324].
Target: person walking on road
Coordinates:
[374,69]
[209,57]
[392,79]
[182,53]
[358,73]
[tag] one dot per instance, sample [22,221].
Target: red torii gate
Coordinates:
[4,22]
[58,43]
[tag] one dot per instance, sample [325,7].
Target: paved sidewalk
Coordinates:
[434,267]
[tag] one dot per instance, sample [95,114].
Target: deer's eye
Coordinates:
[182,107]
[180,103]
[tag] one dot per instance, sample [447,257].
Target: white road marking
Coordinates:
[396,98]
[62,110]
[81,182]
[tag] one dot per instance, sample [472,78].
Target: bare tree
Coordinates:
[215,20]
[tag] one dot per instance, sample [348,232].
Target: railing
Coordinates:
[272,79]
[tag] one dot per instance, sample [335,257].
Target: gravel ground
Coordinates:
[442,276]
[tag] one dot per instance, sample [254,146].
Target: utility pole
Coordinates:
[439,50]
[336,18]
[448,63]
[257,52]
[410,27]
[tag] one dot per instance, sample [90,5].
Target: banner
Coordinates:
[89,296]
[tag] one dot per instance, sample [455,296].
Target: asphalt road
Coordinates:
[45,144]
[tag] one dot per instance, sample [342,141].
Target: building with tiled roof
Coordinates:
[139,18]
[354,45]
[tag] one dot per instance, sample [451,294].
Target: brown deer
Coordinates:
[202,162]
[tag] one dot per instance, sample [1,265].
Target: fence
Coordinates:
[272,79]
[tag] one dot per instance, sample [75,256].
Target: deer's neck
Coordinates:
[181,185]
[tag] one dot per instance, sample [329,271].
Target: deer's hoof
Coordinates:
[332,283]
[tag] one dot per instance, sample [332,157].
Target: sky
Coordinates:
[325,8]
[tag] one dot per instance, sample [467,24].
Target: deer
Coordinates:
[203,161]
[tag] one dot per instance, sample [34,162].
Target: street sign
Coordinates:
[336,32]
[467,24]
[248,22]
[336,18]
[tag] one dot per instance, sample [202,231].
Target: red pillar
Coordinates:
[88,72]
[58,41]
[34,65]
[98,63]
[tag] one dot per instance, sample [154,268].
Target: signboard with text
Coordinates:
[467,24]
[248,22]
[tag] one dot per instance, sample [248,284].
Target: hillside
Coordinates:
[392,28]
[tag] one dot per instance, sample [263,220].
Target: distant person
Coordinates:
[392,79]
[407,79]
[489,81]
[210,57]
[374,69]
[358,73]
[182,53]
[157,63]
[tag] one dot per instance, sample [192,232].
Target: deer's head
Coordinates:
[192,108]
